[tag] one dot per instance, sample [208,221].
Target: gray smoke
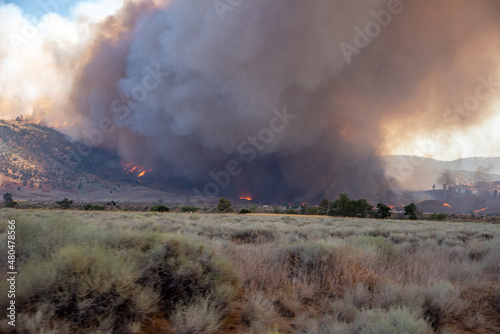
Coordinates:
[195,89]
[187,85]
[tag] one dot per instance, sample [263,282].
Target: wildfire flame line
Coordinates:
[132,168]
[446,204]
[246,198]
[477,211]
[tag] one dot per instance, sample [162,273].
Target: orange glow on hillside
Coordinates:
[246,198]
[132,168]
[446,204]
[477,211]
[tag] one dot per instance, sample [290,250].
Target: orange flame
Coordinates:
[446,204]
[130,168]
[246,198]
[144,172]
[477,211]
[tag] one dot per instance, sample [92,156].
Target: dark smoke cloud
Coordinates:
[216,83]
[224,80]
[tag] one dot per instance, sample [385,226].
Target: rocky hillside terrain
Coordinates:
[36,157]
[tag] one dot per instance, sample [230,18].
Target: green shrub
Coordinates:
[94,207]
[312,210]
[88,288]
[442,300]
[252,236]
[42,236]
[394,321]
[306,258]
[244,211]
[291,212]
[159,208]
[183,269]
[188,208]
[438,216]
[200,316]
[382,245]
[138,241]
[65,203]
[378,233]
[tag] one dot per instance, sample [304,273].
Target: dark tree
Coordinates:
[383,211]
[189,208]
[323,206]
[8,202]
[344,206]
[224,206]
[412,211]
[159,208]
[361,207]
[65,203]
[332,209]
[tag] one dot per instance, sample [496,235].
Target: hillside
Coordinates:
[38,157]
[39,163]
[415,173]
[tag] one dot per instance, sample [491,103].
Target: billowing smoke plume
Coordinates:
[302,95]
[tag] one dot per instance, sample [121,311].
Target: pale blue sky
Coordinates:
[39,7]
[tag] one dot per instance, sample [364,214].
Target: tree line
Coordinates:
[341,207]
[346,207]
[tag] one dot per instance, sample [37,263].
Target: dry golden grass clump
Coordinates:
[129,272]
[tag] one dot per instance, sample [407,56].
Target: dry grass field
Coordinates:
[129,272]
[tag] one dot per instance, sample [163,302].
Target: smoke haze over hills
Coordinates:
[185,87]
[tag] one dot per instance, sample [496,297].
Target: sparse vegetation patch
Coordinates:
[141,272]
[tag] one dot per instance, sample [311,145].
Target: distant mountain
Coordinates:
[489,165]
[36,157]
[415,173]
[38,163]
